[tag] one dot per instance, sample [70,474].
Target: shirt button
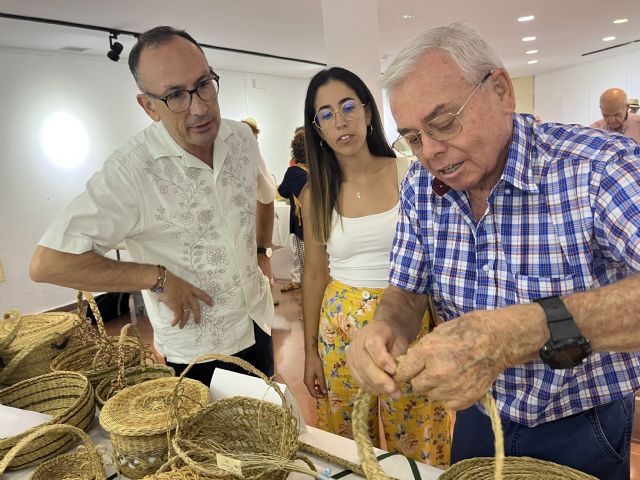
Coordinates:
[507,191]
[485,267]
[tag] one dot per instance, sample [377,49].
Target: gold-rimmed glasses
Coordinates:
[350,110]
[442,128]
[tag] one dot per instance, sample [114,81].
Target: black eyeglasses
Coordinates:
[442,128]
[180,100]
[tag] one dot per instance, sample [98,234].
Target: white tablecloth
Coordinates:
[396,466]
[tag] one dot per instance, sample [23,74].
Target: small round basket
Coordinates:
[240,437]
[28,343]
[85,464]
[138,421]
[108,387]
[483,468]
[67,396]
[100,356]
[521,468]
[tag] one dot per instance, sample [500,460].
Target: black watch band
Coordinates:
[559,320]
[566,347]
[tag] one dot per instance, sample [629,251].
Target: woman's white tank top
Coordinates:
[359,248]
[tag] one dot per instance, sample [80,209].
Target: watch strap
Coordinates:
[559,320]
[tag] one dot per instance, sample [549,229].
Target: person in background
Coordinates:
[633,105]
[527,237]
[191,197]
[616,116]
[253,124]
[349,212]
[294,180]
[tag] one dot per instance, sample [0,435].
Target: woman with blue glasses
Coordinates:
[350,209]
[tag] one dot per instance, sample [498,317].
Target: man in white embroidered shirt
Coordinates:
[193,201]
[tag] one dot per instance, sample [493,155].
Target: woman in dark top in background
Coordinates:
[294,179]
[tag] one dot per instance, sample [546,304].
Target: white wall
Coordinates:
[572,94]
[101,94]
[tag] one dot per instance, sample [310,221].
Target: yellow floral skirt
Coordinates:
[414,425]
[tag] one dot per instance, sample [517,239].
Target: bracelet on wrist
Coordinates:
[158,288]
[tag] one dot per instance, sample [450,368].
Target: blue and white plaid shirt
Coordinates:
[564,217]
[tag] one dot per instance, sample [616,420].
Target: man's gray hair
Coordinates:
[469,50]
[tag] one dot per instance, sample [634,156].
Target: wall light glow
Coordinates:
[64,140]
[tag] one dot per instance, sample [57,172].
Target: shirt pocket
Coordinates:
[529,288]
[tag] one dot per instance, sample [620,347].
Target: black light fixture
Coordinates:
[115,48]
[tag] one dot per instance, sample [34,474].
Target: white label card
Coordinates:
[229,464]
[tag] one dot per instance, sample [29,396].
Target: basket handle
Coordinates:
[236,361]
[96,311]
[13,333]
[120,378]
[95,462]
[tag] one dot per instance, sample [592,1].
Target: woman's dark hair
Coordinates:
[297,146]
[151,38]
[325,175]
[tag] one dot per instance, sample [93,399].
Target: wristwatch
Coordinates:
[266,251]
[566,347]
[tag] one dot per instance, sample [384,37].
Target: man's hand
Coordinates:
[458,362]
[182,298]
[264,263]
[371,357]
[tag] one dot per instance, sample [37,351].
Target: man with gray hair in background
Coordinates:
[526,235]
[616,116]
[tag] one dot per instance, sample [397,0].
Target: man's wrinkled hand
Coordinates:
[456,363]
[371,356]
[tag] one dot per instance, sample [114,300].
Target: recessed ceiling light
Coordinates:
[621,20]
[406,16]
[608,39]
[528,39]
[531,62]
[526,18]
[531,52]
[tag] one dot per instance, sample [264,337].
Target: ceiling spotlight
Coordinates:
[115,48]
[526,18]
[531,52]
[528,39]
[621,20]
[608,39]
[532,62]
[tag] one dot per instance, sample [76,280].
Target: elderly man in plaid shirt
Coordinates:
[527,237]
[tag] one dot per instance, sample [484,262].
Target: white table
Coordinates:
[395,466]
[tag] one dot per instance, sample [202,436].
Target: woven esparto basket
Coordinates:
[481,468]
[67,396]
[99,358]
[240,437]
[125,377]
[85,464]
[108,387]
[137,419]
[28,343]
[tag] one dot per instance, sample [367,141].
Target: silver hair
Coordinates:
[467,48]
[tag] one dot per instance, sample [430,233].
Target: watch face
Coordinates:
[570,356]
[567,353]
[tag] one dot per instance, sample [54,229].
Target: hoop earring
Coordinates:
[370,129]
[321,144]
